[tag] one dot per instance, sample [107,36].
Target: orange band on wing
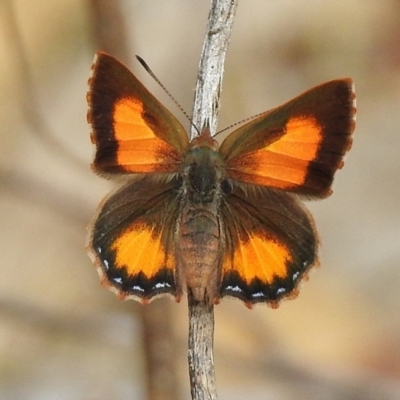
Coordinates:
[259,258]
[301,140]
[127,116]
[143,151]
[284,163]
[141,251]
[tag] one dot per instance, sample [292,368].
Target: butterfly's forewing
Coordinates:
[298,146]
[133,132]
[270,243]
[132,239]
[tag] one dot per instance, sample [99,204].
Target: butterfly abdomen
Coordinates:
[199,249]
[199,230]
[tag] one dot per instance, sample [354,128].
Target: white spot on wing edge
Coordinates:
[234,288]
[258,294]
[281,290]
[161,285]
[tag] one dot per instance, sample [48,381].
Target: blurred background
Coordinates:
[62,336]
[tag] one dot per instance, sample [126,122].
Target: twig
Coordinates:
[200,354]
[205,112]
[209,79]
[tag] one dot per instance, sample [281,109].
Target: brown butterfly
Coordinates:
[214,220]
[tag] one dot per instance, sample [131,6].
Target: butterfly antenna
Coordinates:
[151,73]
[241,122]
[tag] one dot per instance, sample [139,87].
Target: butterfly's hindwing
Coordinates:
[133,241]
[270,244]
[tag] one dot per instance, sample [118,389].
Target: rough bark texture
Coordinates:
[205,112]
[209,79]
[201,359]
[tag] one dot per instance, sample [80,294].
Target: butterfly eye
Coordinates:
[226,186]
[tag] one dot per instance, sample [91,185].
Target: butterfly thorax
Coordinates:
[199,228]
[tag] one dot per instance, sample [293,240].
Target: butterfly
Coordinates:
[214,220]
